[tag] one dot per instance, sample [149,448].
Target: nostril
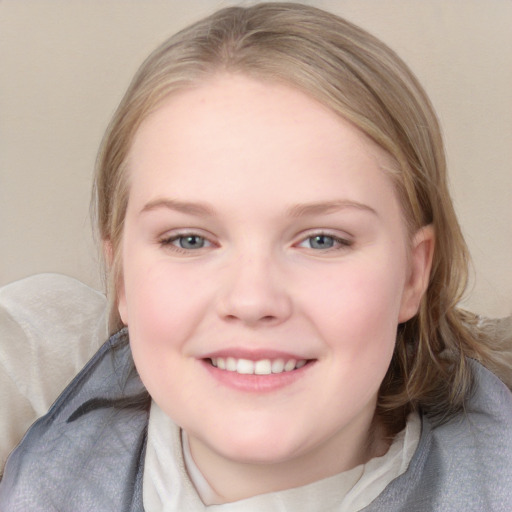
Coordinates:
[267,319]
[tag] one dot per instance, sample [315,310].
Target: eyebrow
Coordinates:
[326,207]
[198,209]
[298,210]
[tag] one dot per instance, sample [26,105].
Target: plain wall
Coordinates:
[65,65]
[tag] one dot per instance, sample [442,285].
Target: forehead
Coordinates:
[237,132]
[235,98]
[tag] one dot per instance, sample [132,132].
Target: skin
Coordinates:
[271,170]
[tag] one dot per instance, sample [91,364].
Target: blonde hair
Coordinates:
[360,78]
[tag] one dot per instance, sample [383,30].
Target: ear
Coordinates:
[420,264]
[118,285]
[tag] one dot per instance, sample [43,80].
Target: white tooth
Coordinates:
[245,366]
[277,366]
[263,367]
[290,365]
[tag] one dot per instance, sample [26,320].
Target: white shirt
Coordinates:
[172,481]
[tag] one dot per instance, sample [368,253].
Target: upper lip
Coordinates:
[254,355]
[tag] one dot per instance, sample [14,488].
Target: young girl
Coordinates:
[284,267]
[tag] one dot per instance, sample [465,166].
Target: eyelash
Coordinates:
[168,242]
[338,242]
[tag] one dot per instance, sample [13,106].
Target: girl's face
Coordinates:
[266,266]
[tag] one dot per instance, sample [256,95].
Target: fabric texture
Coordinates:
[88,452]
[50,326]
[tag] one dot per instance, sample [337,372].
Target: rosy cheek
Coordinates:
[169,304]
[359,302]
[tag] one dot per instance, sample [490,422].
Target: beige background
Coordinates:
[65,64]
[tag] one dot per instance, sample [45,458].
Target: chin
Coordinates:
[267,448]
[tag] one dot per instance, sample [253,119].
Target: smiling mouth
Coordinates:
[259,367]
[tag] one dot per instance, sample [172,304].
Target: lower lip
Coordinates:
[256,383]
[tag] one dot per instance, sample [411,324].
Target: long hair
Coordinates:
[362,80]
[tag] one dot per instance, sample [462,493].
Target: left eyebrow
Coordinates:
[326,207]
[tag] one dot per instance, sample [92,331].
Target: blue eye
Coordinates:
[324,242]
[185,242]
[321,242]
[190,242]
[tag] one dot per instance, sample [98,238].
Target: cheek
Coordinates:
[164,303]
[163,313]
[359,304]
[360,325]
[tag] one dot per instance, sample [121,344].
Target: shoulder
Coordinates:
[472,453]
[480,437]
[50,325]
[86,452]
[464,463]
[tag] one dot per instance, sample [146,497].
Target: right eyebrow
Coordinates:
[199,209]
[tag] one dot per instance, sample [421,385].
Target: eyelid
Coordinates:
[166,240]
[344,240]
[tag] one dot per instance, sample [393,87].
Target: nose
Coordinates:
[255,293]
